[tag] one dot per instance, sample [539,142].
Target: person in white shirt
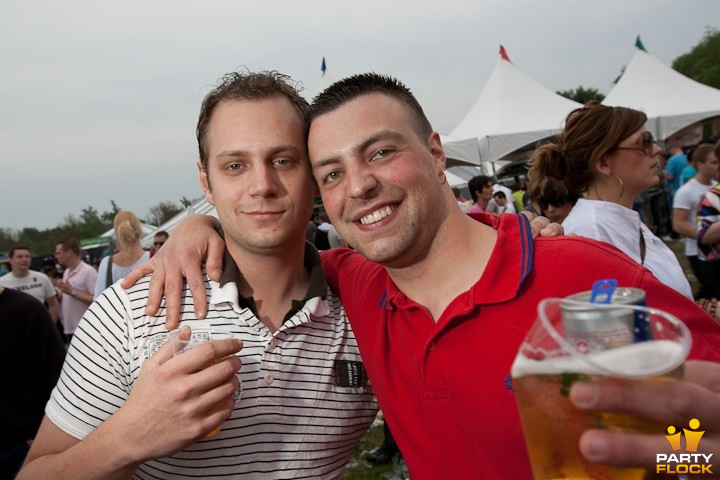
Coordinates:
[684,214]
[508,206]
[606,156]
[34,283]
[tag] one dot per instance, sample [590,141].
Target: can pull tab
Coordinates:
[602,291]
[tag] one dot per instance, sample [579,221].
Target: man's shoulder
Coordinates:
[688,189]
[37,274]
[678,159]
[581,251]
[84,265]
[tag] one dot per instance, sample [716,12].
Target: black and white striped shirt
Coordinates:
[299,415]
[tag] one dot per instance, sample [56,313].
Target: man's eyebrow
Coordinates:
[362,146]
[272,152]
[231,154]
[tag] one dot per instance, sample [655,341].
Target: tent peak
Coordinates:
[503,54]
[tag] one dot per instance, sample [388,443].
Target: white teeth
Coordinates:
[377,215]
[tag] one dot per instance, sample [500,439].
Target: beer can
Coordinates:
[593,329]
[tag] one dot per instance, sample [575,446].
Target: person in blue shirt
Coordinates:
[675,166]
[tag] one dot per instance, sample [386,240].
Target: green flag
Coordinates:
[639,44]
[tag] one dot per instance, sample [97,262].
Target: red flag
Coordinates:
[503,54]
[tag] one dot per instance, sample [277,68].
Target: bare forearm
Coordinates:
[685,229]
[54,312]
[71,466]
[84,297]
[681,224]
[99,456]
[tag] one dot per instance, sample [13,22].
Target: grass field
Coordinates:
[678,247]
[359,469]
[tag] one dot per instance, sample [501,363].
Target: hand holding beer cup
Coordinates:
[198,337]
[577,341]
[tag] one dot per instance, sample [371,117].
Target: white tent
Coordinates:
[671,100]
[461,151]
[455,180]
[512,112]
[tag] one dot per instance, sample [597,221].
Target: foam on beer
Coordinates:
[642,359]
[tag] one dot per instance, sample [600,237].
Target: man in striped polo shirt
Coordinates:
[301,398]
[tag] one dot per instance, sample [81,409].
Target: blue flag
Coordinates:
[323,68]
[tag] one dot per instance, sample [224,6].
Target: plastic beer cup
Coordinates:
[198,337]
[547,364]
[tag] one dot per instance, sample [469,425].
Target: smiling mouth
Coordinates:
[377,215]
[264,215]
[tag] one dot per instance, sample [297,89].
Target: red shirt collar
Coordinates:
[509,265]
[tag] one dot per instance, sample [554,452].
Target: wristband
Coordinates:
[73,293]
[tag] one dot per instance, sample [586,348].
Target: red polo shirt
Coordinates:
[445,387]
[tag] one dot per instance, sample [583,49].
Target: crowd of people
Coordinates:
[421,317]
[42,310]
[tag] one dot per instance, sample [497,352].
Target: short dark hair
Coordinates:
[51,271]
[347,89]
[500,194]
[247,86]
[70,244]
[18,247]
[701,153]
[162,233]
[477,184]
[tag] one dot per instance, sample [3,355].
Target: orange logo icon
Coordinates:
[692,437]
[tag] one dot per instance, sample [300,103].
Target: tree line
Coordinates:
[88,224]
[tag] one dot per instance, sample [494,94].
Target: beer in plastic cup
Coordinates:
[546,366]
[197,338]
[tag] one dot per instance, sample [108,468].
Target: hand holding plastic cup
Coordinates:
[557,353]
[199,336]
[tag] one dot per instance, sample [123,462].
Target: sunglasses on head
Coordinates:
[648,144]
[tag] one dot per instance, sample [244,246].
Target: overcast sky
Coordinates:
[98,100]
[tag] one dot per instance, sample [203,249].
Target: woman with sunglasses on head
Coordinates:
[605,157]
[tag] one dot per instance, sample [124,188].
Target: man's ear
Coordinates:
[205,183]
[435,146]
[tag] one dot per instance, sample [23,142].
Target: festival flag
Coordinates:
[639,44]
[504,54]
[323,67]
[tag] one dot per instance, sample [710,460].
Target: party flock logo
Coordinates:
[690,462]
